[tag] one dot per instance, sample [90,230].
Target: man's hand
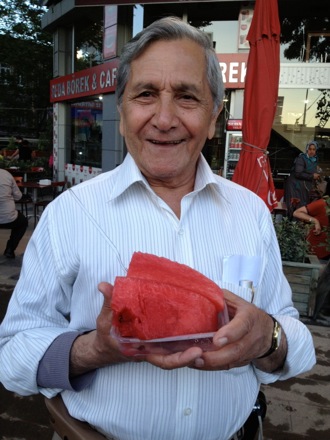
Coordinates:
[245,338]
[97,348]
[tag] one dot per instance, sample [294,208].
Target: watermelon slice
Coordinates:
[151,267]
[160,298]
[157,310]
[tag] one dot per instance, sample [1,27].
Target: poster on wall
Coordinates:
[244,23]
[110,15]
[110,42]
[55,141]
[75,174]
[86,133]
[110,32]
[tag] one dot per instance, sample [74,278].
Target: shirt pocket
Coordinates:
[244,292]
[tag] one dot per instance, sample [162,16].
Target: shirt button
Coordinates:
[181,232]
[187,411]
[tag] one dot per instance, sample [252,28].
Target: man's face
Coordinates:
[166,112]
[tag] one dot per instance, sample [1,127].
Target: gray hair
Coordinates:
[169,29]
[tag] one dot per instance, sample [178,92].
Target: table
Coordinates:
[35,186]
[34,171]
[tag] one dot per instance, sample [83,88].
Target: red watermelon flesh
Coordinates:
[160,298]
[147,309]
[152,267]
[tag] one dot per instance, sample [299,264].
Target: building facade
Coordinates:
[89,35]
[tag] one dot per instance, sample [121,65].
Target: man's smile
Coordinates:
[153,141]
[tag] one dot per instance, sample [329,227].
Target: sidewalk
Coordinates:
[298,409]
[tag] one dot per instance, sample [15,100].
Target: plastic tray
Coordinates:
[136,347]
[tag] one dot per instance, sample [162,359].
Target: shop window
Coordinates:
[302,115]
[86,133]
[89,44]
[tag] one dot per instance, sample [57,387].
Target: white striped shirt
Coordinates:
[70,253]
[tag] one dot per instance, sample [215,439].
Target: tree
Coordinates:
[323,108]
[294,33]
[26,67]
[22,20]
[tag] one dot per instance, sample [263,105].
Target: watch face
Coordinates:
[277,334]
[276,338]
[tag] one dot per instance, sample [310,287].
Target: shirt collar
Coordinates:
[204,175]
[130,175]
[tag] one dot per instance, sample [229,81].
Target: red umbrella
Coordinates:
[260,100]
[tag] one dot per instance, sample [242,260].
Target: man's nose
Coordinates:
[166,114]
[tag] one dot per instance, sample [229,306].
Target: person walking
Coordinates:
[10,218]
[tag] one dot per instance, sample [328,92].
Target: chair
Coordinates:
[25,201]
[65,426]
[56,189]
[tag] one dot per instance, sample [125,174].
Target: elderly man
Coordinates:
[164,200]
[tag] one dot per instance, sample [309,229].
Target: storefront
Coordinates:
[81,94]
[86,135]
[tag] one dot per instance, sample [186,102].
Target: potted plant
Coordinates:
[291,237]
[11,147]
[301,268]
[327,208]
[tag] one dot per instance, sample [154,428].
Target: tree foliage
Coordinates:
[323,108]
[294,33]
[21,19]
[26,67]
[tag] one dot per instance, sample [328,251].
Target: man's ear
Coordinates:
[213,122]
[121,127]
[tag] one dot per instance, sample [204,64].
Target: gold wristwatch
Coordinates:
[276,338]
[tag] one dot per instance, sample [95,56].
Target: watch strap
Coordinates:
[276,338]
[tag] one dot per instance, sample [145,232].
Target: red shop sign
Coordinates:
[94,81]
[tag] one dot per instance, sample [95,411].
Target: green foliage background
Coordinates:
[291,236]
[26,58]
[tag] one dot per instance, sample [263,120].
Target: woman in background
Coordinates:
[316,214]
[302,178]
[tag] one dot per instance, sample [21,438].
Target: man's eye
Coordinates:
[145,94]
[188,98]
